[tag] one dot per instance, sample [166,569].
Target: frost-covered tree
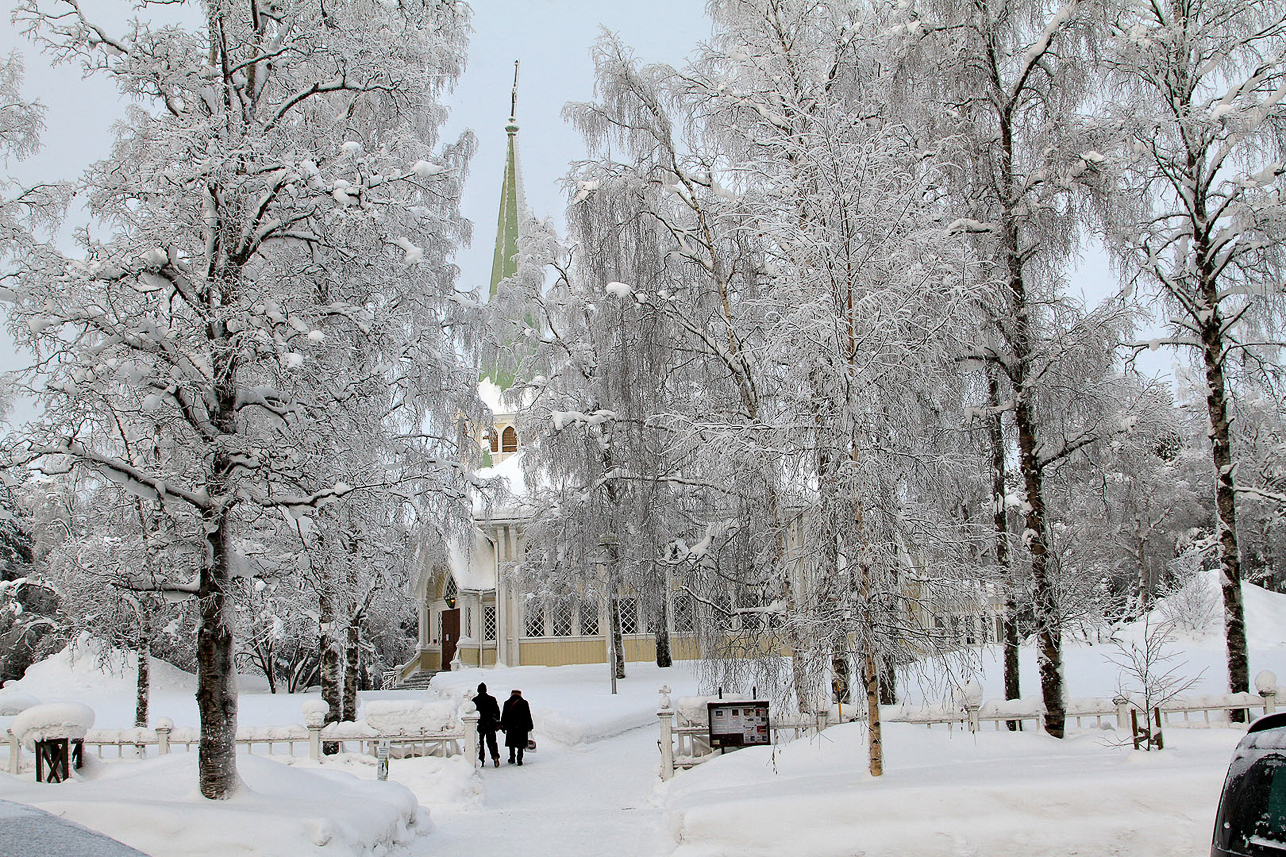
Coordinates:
[1199,97]
[278,192]
[1013,79]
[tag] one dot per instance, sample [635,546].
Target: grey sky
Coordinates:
[552,39]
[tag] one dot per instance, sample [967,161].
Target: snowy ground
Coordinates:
[592,787]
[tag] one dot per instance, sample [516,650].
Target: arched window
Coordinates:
[449,591]
[492,439]
[509,440]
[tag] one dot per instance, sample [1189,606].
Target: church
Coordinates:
[469,613]
[473,614]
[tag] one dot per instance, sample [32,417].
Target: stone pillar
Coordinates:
[1122,713]
[163,740]
[665,715]
[15,748]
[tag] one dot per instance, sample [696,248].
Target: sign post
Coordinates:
[738,724]
[381,764]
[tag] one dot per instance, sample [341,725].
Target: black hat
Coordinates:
[482,687]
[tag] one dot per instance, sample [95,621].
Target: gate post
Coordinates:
[665,716]
[470,719]
[15,747]
[314,742]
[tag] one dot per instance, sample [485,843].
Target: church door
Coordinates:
[450,635]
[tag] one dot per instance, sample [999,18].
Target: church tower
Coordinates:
[502,365]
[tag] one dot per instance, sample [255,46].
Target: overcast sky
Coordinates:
[551,38]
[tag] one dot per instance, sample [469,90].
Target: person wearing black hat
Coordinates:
[488,723]
[516,724]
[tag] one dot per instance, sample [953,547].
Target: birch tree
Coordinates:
[272,142]
[1199,91]
[1014,78]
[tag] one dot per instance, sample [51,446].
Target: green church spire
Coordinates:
[505,261]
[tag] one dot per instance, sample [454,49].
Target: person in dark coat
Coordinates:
[517,725]
[488,723]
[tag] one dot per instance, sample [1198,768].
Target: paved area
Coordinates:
[29,832]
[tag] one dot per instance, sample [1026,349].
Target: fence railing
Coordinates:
[1116,711]
[280,740]
[686,744]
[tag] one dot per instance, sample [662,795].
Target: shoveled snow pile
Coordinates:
[154,806]
[52,720]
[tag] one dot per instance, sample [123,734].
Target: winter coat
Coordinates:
[488,712]
[516,721]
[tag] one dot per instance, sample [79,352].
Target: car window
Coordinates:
[1258,817]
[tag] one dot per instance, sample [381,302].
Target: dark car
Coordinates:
[1252,811]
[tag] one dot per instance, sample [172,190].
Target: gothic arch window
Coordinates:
[492,439]
[509,440]
[449,591]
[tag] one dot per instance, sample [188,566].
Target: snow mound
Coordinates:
[279,809]
[13,703]
[52,720]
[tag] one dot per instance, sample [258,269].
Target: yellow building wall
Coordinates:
[642,647]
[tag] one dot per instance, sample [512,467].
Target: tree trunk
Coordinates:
[1000,522]
[871,675]
[662,634]
[352,654]
[216,693]
[1225,500]
[142,684]
[618,643]
[331,691]
[888,684]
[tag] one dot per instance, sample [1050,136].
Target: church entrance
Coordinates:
[450,635]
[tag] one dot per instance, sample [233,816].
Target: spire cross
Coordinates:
[513,98]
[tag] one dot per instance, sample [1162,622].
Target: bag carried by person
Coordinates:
[531,745]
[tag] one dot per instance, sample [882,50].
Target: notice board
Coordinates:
[738,724]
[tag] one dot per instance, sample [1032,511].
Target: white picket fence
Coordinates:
[1213,710]
[274,740]
[687,743]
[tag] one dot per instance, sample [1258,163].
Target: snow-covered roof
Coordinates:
[473,561]
[515,486]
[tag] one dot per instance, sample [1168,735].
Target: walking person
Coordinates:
[488,723]
[516,724]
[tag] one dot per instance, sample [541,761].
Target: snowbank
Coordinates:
[947,793]
[14,703]
[154,807]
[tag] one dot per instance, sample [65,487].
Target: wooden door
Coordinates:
[450,635]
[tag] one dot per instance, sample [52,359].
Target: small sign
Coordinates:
[381,763]
[738,724]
